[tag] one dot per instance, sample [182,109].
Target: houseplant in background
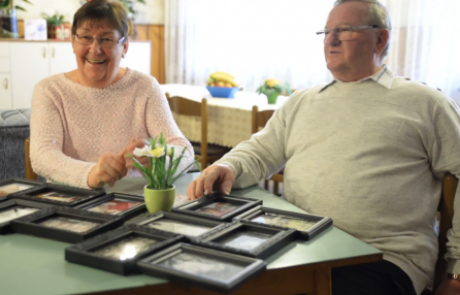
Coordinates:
[159,193]
[272,88]
[8,19]
[53,22]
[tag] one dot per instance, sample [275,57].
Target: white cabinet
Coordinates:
[6,100]
[24,63]
[5,91]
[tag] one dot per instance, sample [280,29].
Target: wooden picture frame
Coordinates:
[218,206]
[202,267]
[14,209]
[65,224]
[307,225]
[189,226]
[59,195]
[119,250]
[247,239]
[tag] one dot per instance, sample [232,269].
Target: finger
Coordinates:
[226,186]
[191,191]
[106,178]
[113,168]
[199,186]
[209,181]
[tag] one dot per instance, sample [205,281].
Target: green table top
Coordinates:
[31,265]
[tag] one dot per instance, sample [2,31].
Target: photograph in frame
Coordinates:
[203,267]
[218,206]
[245,240]
[15,212]
[178,227]
[115,206]
[306,224]
[60,197]
[120,249]
[69,224]
[12,188]
[126,248]
[284,221]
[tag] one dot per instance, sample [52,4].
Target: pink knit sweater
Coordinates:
[73,125]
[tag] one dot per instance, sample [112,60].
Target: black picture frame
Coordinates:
[269,239]
[20,181]
[240,268]
[243,204]
[33,224]
[321,222]
[188,221]
[126,214]
[5,225]
[85,195]
[84,253]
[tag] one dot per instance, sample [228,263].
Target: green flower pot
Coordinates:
[272,97]
[157,200]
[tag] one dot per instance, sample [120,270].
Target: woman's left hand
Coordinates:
[136,143]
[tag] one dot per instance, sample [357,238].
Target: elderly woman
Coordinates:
[86,121]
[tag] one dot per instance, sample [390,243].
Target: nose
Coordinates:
[95,46]
[332,39]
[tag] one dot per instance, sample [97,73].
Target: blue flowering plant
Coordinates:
[159,175]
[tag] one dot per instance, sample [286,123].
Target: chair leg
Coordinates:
[275,187]
[267,185]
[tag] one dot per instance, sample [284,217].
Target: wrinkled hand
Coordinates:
[109,169]
[135,143]
[449,287]
[215,177]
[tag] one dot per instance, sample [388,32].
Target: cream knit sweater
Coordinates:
[370,154]
[73,125]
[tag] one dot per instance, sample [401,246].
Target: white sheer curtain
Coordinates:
[257,39]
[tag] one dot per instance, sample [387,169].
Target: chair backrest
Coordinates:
[260,119]
[186,107]
[446,211]
[30,174]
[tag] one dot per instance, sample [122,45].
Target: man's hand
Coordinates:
[215,177]
[136,143]
[109,169]
[449,287]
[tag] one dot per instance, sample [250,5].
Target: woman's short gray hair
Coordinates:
[378,15]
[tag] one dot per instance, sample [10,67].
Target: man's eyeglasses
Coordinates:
[102,41]
[344,33]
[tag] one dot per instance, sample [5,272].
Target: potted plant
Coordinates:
[53,22]
[8,19]
[159,193]
[272,88]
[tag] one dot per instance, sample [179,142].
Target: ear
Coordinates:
[125,47]
[382,40]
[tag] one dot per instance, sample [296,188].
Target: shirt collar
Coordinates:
[383,77]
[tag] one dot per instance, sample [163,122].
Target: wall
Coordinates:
[152,13]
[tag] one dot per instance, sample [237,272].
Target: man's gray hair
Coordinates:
[378,15]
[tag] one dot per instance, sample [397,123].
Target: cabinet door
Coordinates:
[62,58]
[138,57]
[30,65]
[5,92]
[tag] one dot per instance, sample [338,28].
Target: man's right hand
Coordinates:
[216,177]
[109,169]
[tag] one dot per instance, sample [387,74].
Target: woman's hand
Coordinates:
[449,287]
[109,169]
[145,161]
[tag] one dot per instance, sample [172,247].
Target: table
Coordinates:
[31,265]
[229,119]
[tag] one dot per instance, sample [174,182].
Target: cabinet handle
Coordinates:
[53,52]
[6,83]
[44,52]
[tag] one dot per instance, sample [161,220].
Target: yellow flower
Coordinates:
[272,82]
[158,151]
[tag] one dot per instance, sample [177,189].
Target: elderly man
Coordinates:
[368,149]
